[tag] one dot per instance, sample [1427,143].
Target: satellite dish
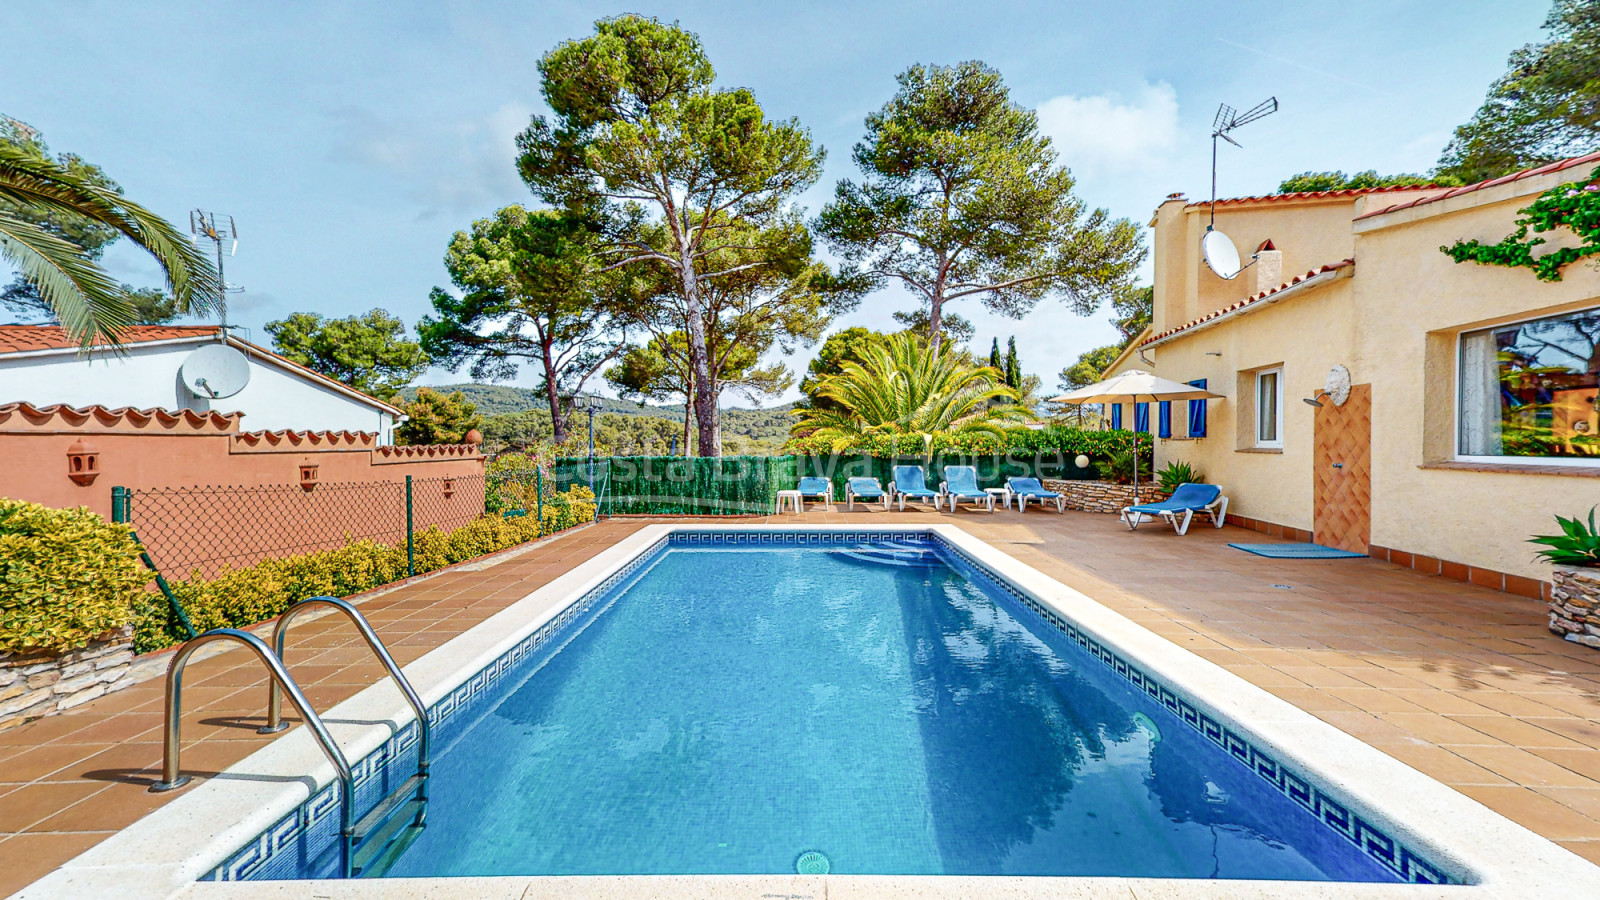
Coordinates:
[1220,253]
[215,371]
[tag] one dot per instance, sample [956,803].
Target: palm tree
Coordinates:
[90,305]
[905,387]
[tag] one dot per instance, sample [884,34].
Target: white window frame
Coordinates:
[1276,444]
[1455,400]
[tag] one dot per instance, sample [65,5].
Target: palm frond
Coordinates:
[30,179]
[89,302]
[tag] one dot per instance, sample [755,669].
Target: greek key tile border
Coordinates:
[792,538]
[288,833]
[1392,854]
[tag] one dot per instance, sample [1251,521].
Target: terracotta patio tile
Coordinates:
[36,802]
[30,856]
[1584,762]
[1522,766]
[1532,809]
[1438,729]
[1516,732]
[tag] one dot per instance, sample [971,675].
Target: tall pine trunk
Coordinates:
[558,422]
[705,399]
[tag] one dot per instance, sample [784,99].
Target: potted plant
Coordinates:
[1575,582]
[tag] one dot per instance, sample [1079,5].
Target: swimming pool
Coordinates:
[730,710]
[702,700]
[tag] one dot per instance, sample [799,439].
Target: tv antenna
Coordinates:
[1227,120]
[1220,253]
[218,228]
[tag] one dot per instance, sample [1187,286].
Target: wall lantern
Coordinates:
[308,476]
[83,462]
[449,488]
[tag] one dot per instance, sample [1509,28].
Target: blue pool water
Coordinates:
[745,711]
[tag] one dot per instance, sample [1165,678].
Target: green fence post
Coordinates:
[120,510]
[411,534]
[538,497]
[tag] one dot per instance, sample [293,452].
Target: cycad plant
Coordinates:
[90,305]
[905,387]
[1577,544]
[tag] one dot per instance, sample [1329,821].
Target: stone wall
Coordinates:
[1103,496]
[39,684]
[1575,605]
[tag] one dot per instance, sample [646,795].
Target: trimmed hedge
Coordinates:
[67,576]
[256,593]
[686,485]
[1053,439]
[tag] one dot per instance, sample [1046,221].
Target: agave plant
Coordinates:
[905,387]
[90,305]
[1176,473]
[1577,544]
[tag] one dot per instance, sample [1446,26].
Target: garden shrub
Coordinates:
[66,576]
[240,597]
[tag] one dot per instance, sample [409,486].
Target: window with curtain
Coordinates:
[1164,420]
[1269,408]
[1530,390]
[1116,415]
[1197,412]
[1141,417]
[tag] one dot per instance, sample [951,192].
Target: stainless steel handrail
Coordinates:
[280,634]
[172,780]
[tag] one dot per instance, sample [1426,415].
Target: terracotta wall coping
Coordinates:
[389,455]
[301,441]
[25,417]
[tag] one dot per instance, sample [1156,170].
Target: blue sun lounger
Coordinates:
[961,483]
[1182,506]
[1025,489]
[867,490]
[908,484]
[813,488]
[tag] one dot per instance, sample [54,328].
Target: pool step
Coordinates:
[906,558]
[390,827]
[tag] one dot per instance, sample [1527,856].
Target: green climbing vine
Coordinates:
[1575,206]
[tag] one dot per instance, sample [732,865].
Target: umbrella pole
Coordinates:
[1136,455]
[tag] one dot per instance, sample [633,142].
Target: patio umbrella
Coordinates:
[1134,386]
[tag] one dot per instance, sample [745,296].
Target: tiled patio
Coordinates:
[1461,682]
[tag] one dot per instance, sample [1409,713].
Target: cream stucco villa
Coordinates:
[1471,415]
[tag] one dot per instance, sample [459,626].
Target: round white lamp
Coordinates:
[1082,461]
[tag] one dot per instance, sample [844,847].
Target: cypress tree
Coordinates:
[1013,368]
[994,354]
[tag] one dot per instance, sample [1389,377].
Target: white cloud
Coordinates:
[1108,134]
[464,166]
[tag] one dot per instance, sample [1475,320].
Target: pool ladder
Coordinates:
[366,846]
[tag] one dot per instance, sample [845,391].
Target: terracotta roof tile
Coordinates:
[23,338]
[26,338]
[1572,163]
[1314,195]
[1253,298]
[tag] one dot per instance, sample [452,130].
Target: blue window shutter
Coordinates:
[1197,412]
[1116,415]
[1141,417]
[1166,419]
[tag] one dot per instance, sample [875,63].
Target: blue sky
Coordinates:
[351,140]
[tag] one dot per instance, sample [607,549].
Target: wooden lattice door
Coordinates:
[1342,466]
